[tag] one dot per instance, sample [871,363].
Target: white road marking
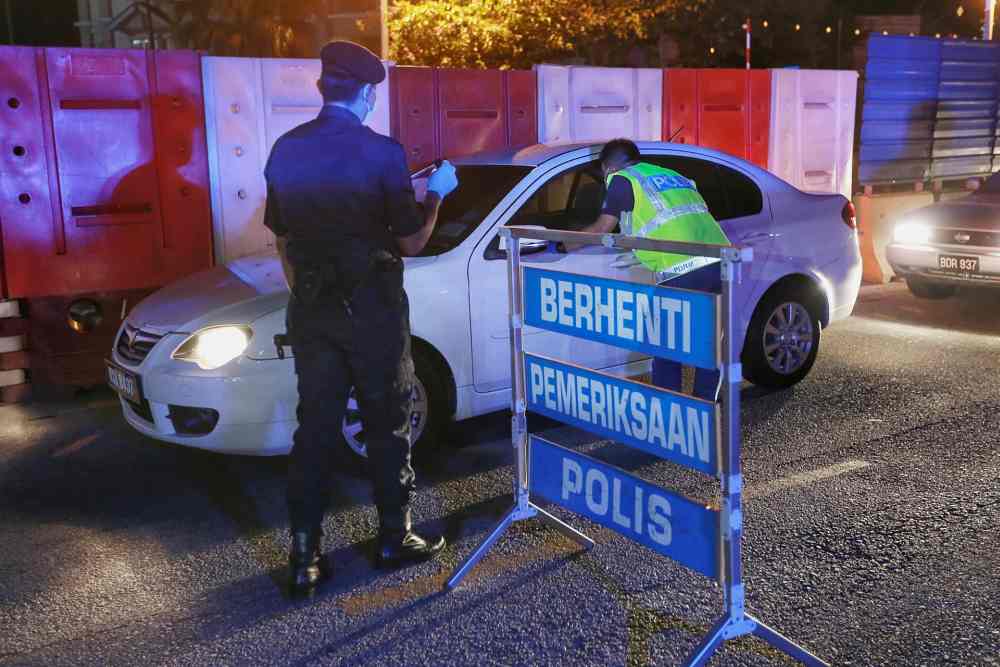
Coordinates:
[803,478]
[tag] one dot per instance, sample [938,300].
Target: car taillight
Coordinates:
[849,215]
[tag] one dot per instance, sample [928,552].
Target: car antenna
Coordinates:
[679,130]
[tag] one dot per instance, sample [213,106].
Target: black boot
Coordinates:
[308,568]
[398,545]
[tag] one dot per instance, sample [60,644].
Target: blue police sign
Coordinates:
[664,322]
[663,521]
[673,426]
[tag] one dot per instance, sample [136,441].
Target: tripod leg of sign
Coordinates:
[472,559]
[564,528]
[784,644]
[709,645]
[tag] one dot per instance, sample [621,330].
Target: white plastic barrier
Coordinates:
[599,103]
[10,308]
[11,344]
[249,103]
[812,128]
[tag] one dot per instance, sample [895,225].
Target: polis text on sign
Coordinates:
[666,522]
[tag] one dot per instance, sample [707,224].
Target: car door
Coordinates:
[738,204]
[566,200]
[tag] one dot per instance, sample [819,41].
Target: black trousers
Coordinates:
[369,349]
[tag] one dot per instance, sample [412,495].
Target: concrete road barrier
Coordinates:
[876,216]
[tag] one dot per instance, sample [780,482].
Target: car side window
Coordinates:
[568,201]
[728,193]
[744,196]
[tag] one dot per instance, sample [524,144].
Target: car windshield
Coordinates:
[991,185]
[480,188]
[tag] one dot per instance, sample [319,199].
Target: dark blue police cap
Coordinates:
[342,58]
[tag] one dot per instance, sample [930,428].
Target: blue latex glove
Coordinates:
[444,180]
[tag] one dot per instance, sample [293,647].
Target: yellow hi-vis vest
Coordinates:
[667,208]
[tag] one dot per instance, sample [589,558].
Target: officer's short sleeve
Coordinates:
[619,197]
[403,215]
[272,214]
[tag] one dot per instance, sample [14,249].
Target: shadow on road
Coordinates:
[975,311]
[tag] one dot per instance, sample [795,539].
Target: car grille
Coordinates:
[135,344]
[979,238]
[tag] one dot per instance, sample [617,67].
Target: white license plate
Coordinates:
[124,382]
[958,264]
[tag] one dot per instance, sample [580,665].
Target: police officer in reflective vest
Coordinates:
[657,203]
[340,201]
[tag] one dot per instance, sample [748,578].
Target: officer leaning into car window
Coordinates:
[652,202]
[340,200]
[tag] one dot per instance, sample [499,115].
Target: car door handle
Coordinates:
[758,236]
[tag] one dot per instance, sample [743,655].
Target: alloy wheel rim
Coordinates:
[354,430]
[788,338]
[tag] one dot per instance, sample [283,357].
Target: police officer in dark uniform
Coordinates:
[340,200]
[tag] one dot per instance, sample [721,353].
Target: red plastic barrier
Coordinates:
[27,210]
[522,108]
[413,117]
[725,109]
[680,106]
[182,162]
[446,113]
[472,111]
[105,184]
[760,116]
[723,112]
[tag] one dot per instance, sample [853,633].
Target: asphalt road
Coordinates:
[872,532]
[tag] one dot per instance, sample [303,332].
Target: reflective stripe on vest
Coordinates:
[668,208]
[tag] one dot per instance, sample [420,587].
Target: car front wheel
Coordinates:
[783,339]
[426,416]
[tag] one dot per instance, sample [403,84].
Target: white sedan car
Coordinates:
[196,363]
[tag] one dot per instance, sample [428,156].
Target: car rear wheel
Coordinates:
[426,418]
[926,290]
[783,338]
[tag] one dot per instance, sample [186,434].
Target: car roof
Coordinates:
[539,154]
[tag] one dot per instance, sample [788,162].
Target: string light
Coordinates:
[937,35]
[764,23]
[829,30]
[857,31]
[798,27]
[885,32]
[911,34]
[712,50]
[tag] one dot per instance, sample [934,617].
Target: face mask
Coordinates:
[370,103]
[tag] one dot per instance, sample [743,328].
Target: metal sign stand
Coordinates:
[734,622]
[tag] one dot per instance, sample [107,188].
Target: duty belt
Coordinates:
[329,279]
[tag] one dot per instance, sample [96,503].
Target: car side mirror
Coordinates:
[497,249]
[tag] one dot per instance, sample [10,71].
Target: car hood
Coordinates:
[976,211]
[237,293]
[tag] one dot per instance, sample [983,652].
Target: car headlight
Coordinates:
[214,347]
[912,232]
